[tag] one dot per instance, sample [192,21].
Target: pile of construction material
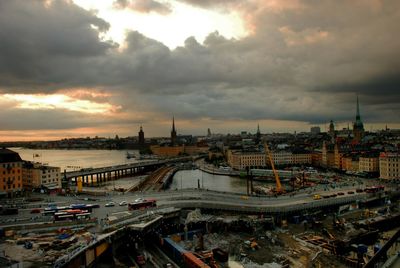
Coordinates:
[44,248]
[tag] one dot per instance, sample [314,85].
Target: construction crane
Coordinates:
[278,189]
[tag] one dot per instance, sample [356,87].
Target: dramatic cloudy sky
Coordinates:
[88,67]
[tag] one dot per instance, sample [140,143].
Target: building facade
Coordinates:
[285,157]
[389,165]
[38,176]
[369,163]
[239,160]
[10,172]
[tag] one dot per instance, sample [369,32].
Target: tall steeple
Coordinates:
[358,126]
[358,117]
[173,132]
[258,135]
[332,132]
[141,135]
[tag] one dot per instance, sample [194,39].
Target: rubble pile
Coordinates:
[44,248]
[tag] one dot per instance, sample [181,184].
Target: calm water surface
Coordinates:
[78,159]
[191,178]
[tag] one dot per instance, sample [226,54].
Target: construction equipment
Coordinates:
[278,189]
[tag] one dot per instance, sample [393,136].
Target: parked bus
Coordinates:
[375,189]
[49,211]
[71,214]
[142,204]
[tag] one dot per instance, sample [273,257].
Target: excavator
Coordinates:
[278,189]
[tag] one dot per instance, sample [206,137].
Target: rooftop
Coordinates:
[8,156]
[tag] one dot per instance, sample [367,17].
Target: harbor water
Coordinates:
[72,160]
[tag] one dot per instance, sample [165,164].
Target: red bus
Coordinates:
[375,189]
[147,203]
[71,214]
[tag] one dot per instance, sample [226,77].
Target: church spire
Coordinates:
[358,127]
[173,132]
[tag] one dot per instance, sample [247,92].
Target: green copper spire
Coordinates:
[358,124]
[358,117]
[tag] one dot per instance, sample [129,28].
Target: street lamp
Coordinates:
[202,180]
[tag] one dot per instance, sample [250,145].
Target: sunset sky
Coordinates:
[87,67]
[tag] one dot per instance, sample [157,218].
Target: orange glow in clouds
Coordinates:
[58,101]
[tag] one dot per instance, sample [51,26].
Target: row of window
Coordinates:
[9,187]
[50,170]
[54,180]
[11,178]
[11,171]
[10,165]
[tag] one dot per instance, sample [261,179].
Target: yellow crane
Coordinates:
[279,188]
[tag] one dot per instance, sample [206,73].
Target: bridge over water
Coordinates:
[95,176]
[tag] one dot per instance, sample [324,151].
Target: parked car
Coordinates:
[35,210]
[109,204]
[123,203]
[359,190]
[340,193]
[350,192]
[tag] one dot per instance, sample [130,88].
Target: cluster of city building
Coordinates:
[17,175]
[374,154]
[355,151]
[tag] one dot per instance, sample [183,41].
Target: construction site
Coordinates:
[205,228]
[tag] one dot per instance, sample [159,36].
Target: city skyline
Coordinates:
[89,68]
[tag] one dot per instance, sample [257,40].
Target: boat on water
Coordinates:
[147,156]
[130,155]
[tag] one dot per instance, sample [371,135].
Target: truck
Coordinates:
[316,197]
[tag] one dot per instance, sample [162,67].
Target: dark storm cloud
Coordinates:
[43,46]
[303,64]
[143,6]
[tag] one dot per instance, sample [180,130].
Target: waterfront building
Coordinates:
[337,154]
[291,157]
[10,172]
[358,126]
[316,158]
[167,150]
[328,155]
[389,165]
[350,162]
[179,150]
[369,163]
[239,159]
[39,176]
